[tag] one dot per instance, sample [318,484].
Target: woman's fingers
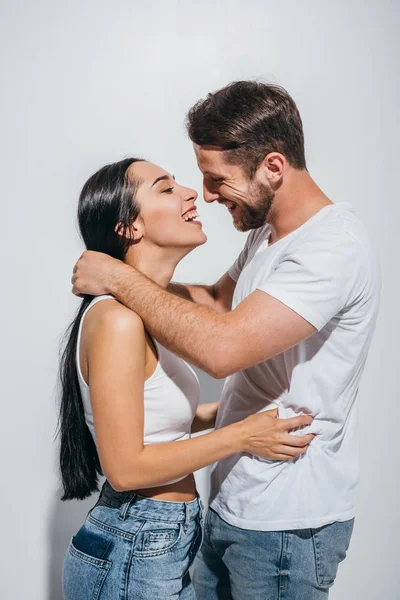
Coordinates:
[292,451]
[293,446]
[282,457]
[289,447]
[294,422]
[299,441]
[288,452]
[273,413]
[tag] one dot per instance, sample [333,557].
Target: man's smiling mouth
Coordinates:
[231,206]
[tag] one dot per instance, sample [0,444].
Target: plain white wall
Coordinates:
[84,83]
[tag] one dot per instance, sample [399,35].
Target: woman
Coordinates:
[129,405]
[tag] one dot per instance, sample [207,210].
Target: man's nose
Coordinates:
[210,195]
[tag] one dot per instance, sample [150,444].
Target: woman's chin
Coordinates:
[204,239]
[198,238]
[197,241]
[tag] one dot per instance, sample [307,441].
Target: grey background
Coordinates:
[84,83]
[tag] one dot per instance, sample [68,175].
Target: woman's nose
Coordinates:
[191,195]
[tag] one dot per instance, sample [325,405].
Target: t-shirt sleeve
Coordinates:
[319,278]
[235,270]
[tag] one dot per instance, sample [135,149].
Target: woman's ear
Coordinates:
[135,232]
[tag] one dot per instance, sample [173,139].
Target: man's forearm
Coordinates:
[218,296]
[200,294]
[194,332]
[221,343]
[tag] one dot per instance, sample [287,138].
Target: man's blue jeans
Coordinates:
[241,564]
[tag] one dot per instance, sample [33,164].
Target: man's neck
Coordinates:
[296,201]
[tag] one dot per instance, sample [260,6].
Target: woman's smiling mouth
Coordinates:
[190,215]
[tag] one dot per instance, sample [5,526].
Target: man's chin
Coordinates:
[238,222]
[240,226]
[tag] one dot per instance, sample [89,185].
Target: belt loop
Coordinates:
[129,498]
[187,516]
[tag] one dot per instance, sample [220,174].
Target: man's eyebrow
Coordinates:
[162,178]
[211,174]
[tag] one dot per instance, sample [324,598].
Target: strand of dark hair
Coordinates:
[79,460]
[107,206]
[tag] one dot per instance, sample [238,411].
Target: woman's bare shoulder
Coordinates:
[111,315]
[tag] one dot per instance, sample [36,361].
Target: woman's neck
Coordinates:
[153,262]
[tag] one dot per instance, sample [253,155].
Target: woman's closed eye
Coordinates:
[168,190]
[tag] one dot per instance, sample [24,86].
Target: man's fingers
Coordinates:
[294,422]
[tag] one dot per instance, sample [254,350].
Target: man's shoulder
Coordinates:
[339,228]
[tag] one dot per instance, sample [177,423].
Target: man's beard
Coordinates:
[255,216]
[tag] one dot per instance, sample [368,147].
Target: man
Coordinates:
[290,324]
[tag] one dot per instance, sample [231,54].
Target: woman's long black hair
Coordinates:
[107,205]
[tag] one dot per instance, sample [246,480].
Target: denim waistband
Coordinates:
[133,504]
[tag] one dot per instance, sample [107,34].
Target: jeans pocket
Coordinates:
[85,566]
[157,537]
[331,543]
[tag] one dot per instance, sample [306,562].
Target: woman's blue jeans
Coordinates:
[134,548]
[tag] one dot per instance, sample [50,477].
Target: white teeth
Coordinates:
[189,216]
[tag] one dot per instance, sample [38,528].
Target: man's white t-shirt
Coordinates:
[327,272]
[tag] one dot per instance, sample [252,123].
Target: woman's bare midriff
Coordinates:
[181,491]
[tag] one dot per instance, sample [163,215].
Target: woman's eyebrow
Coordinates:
[162,178]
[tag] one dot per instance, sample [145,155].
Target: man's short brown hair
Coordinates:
[248,120]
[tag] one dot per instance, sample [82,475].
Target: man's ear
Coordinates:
[272,168]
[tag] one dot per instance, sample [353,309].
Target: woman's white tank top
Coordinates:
[171,395]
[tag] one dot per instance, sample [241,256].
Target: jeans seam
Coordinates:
[207,530]
[110,529]
[283,566]
[128,569]
[200,532]
[320,579]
